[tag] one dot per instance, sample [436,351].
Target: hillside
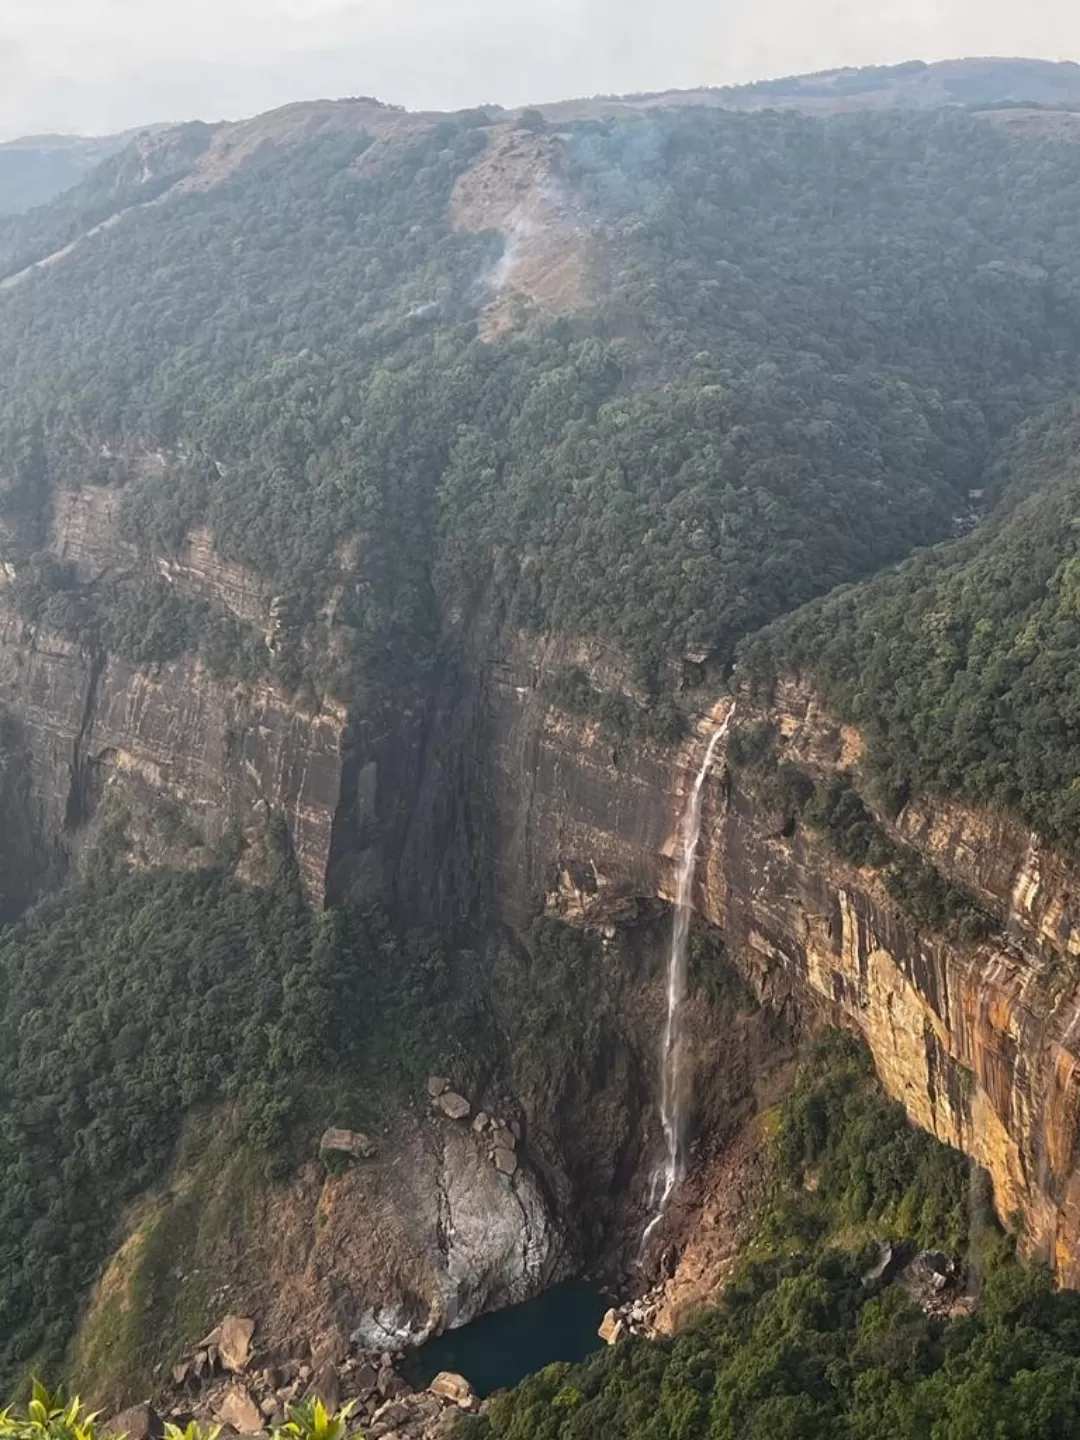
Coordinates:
[390,506]
[956,666]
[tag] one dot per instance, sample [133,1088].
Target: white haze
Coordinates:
[93,66]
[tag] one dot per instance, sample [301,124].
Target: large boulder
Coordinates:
[505,1161]
[348,1142]
[450,1386]
[229,1342]
[238,1409]
[426,1236]
[455,1106]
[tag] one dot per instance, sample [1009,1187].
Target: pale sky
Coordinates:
[93,66]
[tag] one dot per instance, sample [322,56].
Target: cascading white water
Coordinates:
[672,1169]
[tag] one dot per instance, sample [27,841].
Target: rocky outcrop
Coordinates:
[517,188]
[225,754]
[427,1235]
[347,1143]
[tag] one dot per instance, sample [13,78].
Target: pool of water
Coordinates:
[499,1350]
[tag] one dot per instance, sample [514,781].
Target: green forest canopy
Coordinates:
[129,1001]
[960,667]
[812,334]
[815,338]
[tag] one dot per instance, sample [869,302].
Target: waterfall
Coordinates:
[670,1172]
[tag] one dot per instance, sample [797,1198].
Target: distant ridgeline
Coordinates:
[35,170]
[803,341]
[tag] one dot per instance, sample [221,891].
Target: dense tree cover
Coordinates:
[844,315]
[141,617]
[130,1000]
[622,716]
[802,1348]
[959,668]
[122,180]
[833,806]
[807,335]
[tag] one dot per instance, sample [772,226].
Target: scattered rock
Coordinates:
[394,1412]
[201,1364]
[390,1384]
[141,1422]
[437,1085]
[332,1350]
[348,1142]
[238,1409]
[505,1161]
[181,1372]
[454,1105]
[612,1329]
[365,1380]
[937,1283]
[269,1407]
[449,1386]
[328,1387]
[481,1122]
[504,1138]
[229,1343]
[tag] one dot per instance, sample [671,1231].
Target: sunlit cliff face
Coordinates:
[979,1042]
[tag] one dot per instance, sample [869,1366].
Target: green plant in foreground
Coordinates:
[49,1417]
[310,1420]
[192,1431]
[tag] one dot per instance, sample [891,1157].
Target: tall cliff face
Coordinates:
[154,741]
[980,1042]
[483,793]
[187,756]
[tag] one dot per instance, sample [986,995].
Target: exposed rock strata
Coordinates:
[227,754]
[981,1043]
[482,791]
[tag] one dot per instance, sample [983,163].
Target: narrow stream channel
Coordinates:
[499,1350]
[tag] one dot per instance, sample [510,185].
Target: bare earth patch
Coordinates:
[517,187]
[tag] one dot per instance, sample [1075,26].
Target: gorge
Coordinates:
[512,626]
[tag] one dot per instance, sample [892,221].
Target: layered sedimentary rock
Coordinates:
[483,792]
[980,1042]
[225,754]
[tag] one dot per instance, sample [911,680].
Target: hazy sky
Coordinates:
[98,65]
